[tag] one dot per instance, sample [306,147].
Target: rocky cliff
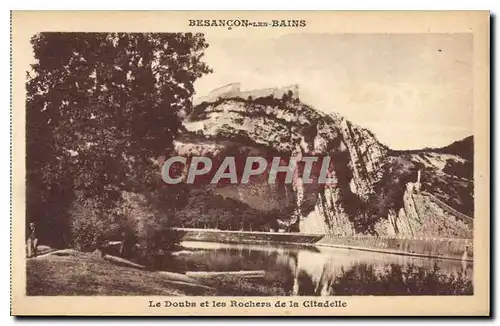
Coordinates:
[371,191]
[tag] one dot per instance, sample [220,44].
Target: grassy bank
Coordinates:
[77,273]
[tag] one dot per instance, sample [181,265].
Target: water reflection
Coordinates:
[323,270]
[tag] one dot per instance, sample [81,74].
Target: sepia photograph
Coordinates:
[208,162]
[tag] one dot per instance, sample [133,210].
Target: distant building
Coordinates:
[234,90]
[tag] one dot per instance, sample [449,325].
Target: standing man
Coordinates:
[32,241]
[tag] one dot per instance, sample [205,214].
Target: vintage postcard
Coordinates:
[196,163]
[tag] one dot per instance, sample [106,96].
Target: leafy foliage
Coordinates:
[100,108]
[213,211]
[90,225]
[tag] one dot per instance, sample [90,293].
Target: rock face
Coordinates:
[288,128]
[423,215]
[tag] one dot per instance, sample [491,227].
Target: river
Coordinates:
[315,270]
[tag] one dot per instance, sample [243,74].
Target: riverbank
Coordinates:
[245,270]
[70,272]
[443,248]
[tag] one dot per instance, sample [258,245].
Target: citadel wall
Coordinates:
[234,90]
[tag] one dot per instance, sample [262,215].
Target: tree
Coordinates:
[100,108]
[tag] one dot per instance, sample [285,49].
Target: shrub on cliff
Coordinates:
[389,190]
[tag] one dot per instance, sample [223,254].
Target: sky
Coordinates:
[411,90]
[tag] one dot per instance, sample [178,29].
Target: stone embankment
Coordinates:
[211,235]
[457,249]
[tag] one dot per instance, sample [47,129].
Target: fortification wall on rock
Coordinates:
[276,92]
[234,90]
[226,91]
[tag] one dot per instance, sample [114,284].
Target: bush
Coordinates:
[143,230]
[91,225]
[362,279]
